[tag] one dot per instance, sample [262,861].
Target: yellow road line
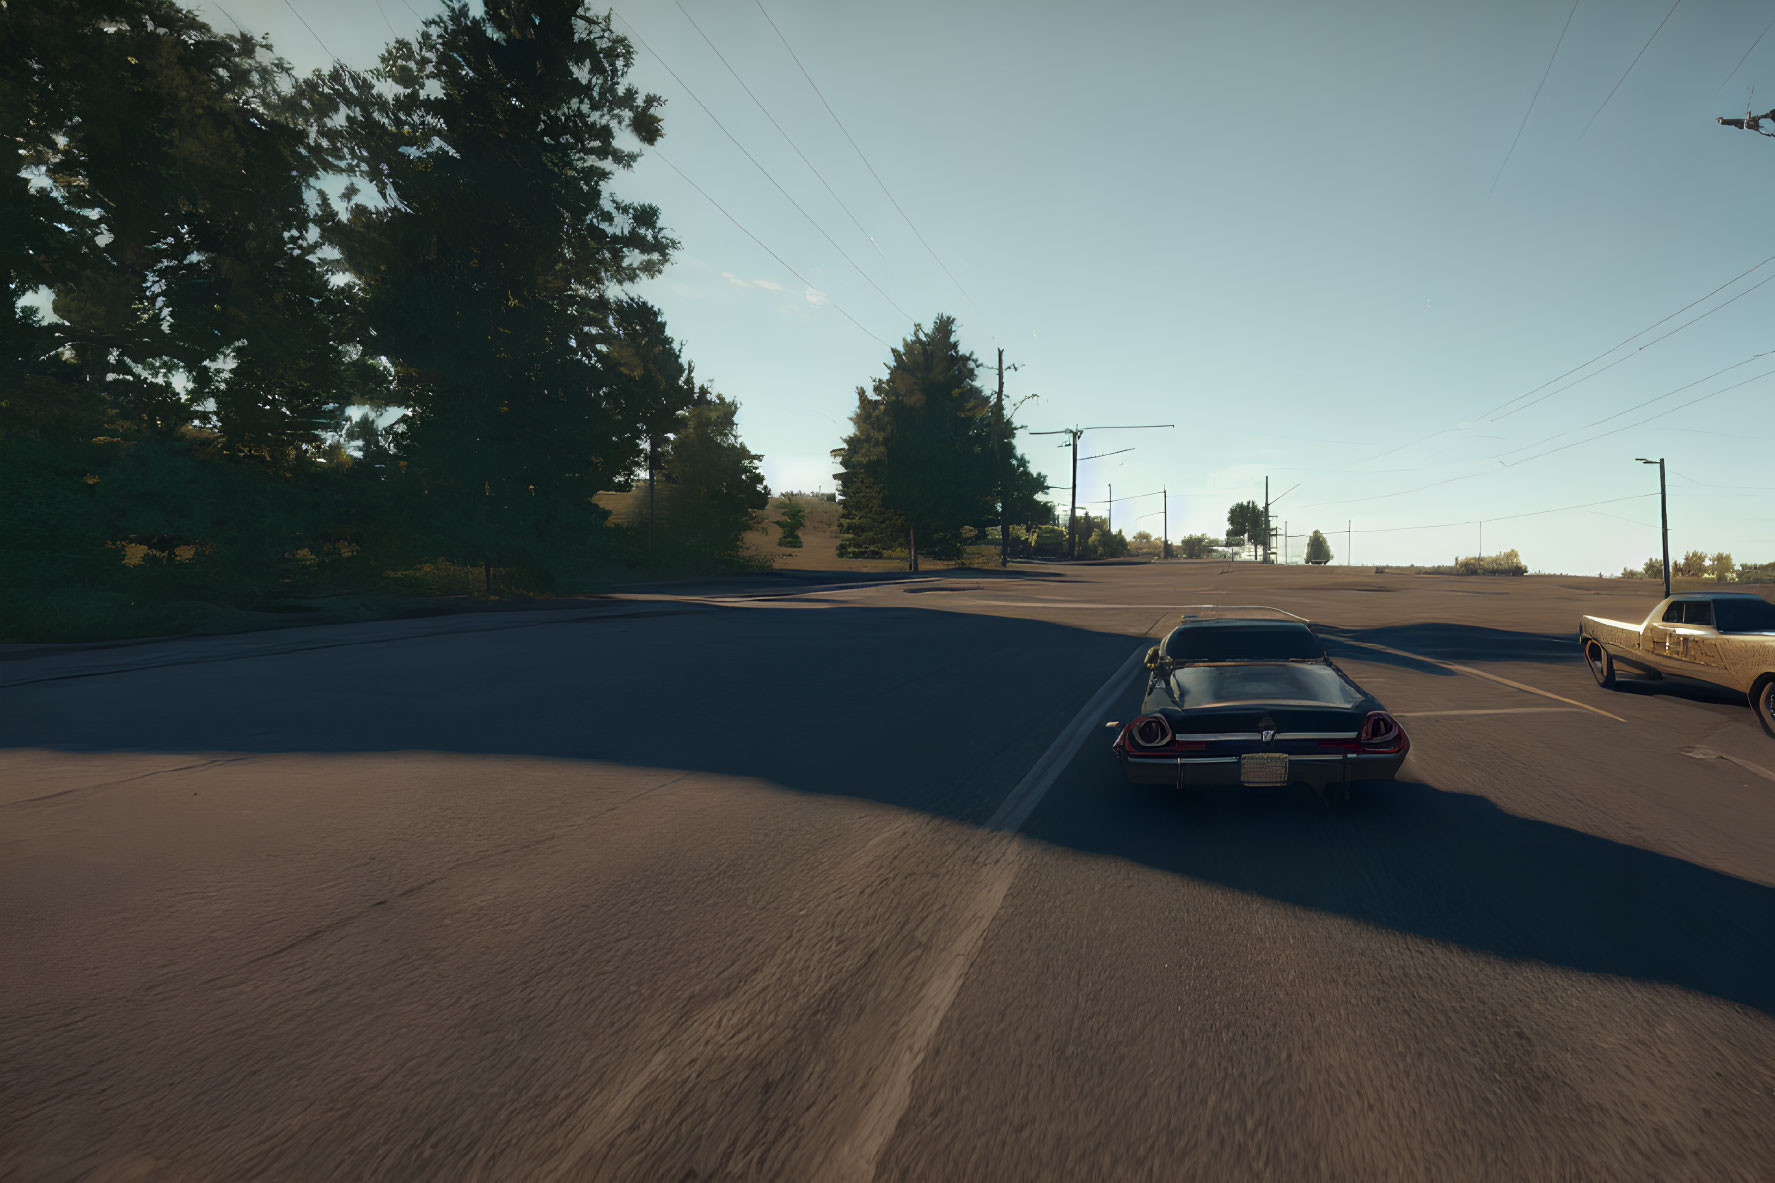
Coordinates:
[1467,669]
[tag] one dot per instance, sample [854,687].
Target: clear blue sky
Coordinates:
[1271,224]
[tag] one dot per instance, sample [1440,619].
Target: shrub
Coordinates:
[1503,563]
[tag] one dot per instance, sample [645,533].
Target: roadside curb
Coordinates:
[63,664]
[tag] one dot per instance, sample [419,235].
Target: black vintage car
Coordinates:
[1248,698]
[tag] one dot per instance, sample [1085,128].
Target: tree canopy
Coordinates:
[924,457]
[1244,521]
[249,384]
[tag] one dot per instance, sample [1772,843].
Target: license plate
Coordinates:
[1264,768]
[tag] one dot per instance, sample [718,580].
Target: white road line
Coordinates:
[1471,672]
[1041,776]
[891,1089]
[1488,711]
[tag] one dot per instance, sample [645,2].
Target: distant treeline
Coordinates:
[210,262]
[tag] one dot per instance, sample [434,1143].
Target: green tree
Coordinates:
[922,459]
[1318,550]
[1721,567]
[176,169]
[1196,546]
[718,487]
[485,261]
[794,517]
[1653,568]
[164,200]
[1692,565]
[1244,521]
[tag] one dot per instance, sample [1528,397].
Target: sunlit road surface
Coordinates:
[803,887]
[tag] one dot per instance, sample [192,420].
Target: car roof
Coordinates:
[1242,622]
[1237,614]
[1716,596]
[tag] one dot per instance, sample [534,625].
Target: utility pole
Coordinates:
[1663,518]
[1073,434]
[1109,512]
[1165,525]
[1072,507]
[998,418]
[1347,524]
[1284,542]
[1269,550]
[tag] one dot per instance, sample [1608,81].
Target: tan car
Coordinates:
[1723,638]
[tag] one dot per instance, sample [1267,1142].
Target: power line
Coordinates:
[231,19]
[1630,65]
[1533,97]
[736,143]
[1575,443]
[1636,406]
[1641,333]
[1748,52]
[1679,328]
[1629,340]
[773,122]
[310,29]
[1502,517]
[1705,484]
[1647,419]
[384,14]
[835,304]
[1630,521]
[865,159]
[1119,500]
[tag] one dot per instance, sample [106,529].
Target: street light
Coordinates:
[1663,518]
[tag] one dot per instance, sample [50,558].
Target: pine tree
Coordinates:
[921,460]
[487,263]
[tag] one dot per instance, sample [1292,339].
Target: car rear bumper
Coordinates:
[1315,771]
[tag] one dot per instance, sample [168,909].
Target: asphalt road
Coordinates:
[804,887]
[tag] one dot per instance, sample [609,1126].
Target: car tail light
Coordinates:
[1381,733]
[1151,731]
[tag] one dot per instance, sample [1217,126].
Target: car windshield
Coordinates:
[1263,684]
[1744,615]
[1256,641]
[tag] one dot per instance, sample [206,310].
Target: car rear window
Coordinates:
[1745,615]
[1244,642]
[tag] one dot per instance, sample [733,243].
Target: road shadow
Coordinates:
[1467,644]
[1679,688]
[1451,867]
[923,709]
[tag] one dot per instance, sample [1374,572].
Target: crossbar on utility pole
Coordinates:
[1073,433]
